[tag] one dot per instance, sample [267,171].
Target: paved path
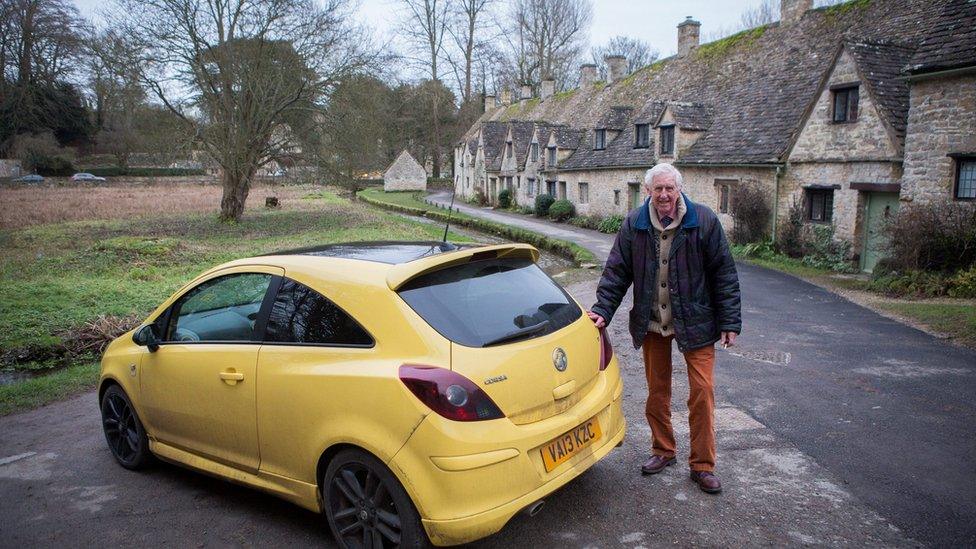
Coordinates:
[886,408]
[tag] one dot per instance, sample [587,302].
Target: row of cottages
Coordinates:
[842,112]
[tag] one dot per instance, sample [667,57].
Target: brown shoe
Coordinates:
[657,464]
[707,481]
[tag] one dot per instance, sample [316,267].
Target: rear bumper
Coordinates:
[469,479]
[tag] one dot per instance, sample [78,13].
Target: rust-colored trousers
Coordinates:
[701,401]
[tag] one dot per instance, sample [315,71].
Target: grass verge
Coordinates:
[411,203]
[31,393]
[956,321]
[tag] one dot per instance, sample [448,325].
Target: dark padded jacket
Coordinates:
[702,279]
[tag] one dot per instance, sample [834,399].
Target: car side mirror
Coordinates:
[146,337]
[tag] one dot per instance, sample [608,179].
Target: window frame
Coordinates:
[599,139]
[959,161]
[551,157]
[669,132]
[257,336]
[851,102]
[809,194]
[534,152]
[646,143]
[279,283]
[583,192]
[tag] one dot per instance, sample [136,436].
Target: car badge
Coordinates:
[559,359]
[495,379]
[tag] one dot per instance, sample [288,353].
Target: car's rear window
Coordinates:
[491,302]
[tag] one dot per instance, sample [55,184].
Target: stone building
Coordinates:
[405,174]
[814,110]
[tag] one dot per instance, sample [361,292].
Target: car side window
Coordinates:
[220,309]
[302,315]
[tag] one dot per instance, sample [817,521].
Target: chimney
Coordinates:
[688,35]
[489,102]
[587,74]
[506,96]
[526,92]
[617,65]
[792,10]
[548,88]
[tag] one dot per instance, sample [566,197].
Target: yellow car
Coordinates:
[412,392]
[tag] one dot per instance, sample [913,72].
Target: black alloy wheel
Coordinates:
[366,506]
[123,431]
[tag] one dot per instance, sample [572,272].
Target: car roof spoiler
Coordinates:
[404,272]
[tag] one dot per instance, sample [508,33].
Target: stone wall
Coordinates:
[941,120]
[405,174]
[10,168]
[848,212]
[865,139]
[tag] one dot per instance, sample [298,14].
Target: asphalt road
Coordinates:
[835,426]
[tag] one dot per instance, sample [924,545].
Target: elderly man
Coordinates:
[686,289]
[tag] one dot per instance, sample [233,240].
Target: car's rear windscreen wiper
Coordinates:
[519,334]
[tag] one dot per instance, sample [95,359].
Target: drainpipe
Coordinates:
[775,202]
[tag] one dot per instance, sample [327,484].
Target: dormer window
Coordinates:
[642,136]
[667,140]
[534,152]
[845,103]
[551,161]
[508,149]
[599,139]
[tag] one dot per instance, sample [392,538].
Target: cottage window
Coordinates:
[633,195]
[562,191]
[845,104]
[551,161]
[584,193]
[508,149]
[820,205]
[535,152]
[966,178]
[667,140]
[551,188]
[599,139]
[616,198]
[530,187]
[642,136]
[724,189]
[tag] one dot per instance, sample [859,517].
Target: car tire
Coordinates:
[366,506]
[123,430]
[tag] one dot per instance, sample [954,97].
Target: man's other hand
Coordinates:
[727,340]
[597,319]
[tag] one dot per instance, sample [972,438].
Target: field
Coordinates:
[79,262]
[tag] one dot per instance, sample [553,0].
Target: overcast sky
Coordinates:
[654,21]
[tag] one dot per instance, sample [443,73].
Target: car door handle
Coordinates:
[231,377]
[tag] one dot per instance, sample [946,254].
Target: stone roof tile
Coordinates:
[950,42]
[880,64]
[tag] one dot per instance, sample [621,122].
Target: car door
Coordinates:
[200,385]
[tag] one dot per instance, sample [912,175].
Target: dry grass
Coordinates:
[25,206]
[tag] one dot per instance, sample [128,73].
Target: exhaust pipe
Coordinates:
[533,510]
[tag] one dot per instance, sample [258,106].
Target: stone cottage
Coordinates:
[814,110]
[405,174]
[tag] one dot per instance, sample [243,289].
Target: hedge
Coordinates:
[572,251]
[115,171]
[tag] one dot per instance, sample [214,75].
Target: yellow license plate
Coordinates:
[568,445]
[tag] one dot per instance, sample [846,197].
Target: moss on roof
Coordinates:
[719,48]
[838,10]
[563,95]
[646,69]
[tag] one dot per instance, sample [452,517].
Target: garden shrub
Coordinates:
[561,210]
[505,199]
[611,224]
[526,210]
[822,251]
[56,166]
[963,284]
[542,204]
[751,210]
[933,237]
[585,221]
[789,240]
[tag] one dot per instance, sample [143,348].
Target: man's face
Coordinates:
[664,194]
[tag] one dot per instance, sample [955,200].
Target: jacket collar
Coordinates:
[690,220]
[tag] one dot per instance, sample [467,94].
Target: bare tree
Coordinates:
[237,71]
[764,13]
[548,39]
[637,52]
[470,30]
[424,27]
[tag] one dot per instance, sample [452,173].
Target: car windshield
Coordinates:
[491,302]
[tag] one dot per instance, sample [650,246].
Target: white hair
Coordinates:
[662,169]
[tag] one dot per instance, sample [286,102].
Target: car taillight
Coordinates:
[449,393]
[606,349]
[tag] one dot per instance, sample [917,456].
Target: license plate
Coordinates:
[568,445]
